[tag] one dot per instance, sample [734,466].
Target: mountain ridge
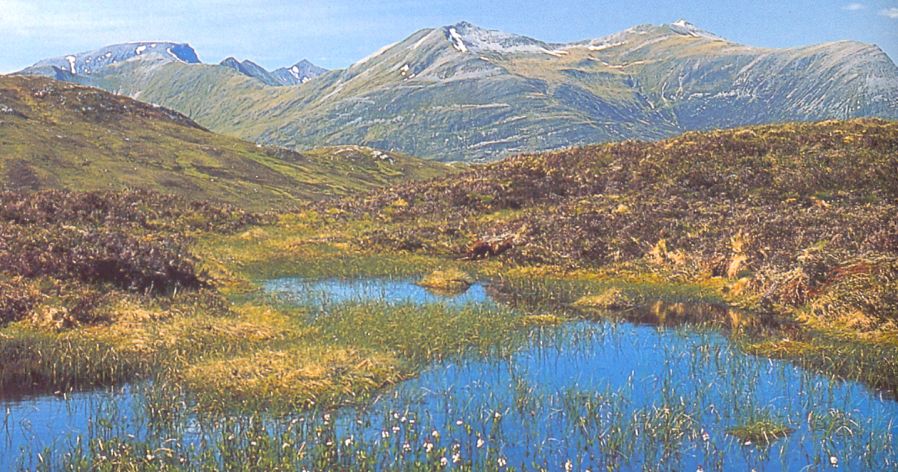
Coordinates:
[462,92]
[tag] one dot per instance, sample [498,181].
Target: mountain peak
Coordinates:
[299,73]
[686,28]
[91,62]
[467,37]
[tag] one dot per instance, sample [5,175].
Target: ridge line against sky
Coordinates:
[337,33]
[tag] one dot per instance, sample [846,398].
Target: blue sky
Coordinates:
[336,33]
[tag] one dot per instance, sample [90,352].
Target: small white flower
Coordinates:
[502,462]
[705,436]
[456,458]
[385,434]
[406,447]
[327,417]
[403,419]
[699,469]
[568,466]
[428,446]
[480,443]
[834,461]
[395,429]
[347,442]
[444,462]
[497,416]
[435,434]
[459,422]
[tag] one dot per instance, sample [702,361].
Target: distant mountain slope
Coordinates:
[300,73]
[81,66]
[466,93]
[65,136]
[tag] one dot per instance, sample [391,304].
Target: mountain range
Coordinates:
[462,92]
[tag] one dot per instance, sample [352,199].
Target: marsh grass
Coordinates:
[503,422]
[761,430]
[216,366]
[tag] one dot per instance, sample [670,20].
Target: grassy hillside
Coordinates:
[63,136]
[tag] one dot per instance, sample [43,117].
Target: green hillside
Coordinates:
[56,135]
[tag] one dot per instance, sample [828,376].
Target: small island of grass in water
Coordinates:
[450,281]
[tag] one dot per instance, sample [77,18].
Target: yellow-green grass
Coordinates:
[761,431]
[64,136]
[448,281]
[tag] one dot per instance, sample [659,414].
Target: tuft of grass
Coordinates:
[542,320]
[610,299]
[447,280]
[761,431]
[300,376]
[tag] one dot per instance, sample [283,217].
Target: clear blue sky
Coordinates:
[336,33]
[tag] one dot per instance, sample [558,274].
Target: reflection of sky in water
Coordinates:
[30,425]
[636,371]
[635,368]
[335,291]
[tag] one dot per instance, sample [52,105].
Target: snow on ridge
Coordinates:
[457,41]
[466,37]
[71,60]
[686,28]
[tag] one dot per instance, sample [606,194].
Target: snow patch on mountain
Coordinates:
[686,28]
[457,42]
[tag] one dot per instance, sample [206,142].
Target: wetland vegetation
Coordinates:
[600,314]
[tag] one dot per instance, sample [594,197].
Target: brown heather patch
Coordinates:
[784,211]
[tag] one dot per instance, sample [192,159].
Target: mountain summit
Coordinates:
[463,92]
[299,73]
[96,62]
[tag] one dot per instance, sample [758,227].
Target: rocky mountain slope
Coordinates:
[55,135]
[300,73]
[462,92]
